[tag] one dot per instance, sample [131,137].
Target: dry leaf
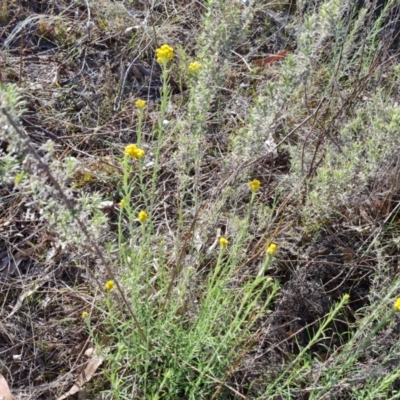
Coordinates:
[9,264]
[85,376]
[21,299]
[270,59]
[24,253]
[5,261]
[5,393]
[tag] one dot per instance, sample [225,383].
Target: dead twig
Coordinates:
[92,245]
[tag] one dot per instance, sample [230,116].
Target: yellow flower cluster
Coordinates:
[122,203]
[85,314]
[195,67]
[133,151]
[254,185]
[397,304]
[109,285]
[143,216]
[164,54]
[223,242]
[272,249]
[140,104]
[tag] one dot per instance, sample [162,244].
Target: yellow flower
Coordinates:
[122,203]
[140,153]
[272,249]
[346,297]
[254,185]
[133,151]
[142,216]
[164,54]
[223,242]
[140,104]
[195,67]
[85,314]
[109,285]
[397,304]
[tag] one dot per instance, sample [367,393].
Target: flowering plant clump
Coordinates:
[143,216]
[195,67]
[254,185]
[109,285]
[223,242]
[140,104]
[397,304]
[133,151]
[164,54]
[272,249]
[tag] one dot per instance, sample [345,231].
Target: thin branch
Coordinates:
[91,244]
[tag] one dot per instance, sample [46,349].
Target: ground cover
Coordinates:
[199,199]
